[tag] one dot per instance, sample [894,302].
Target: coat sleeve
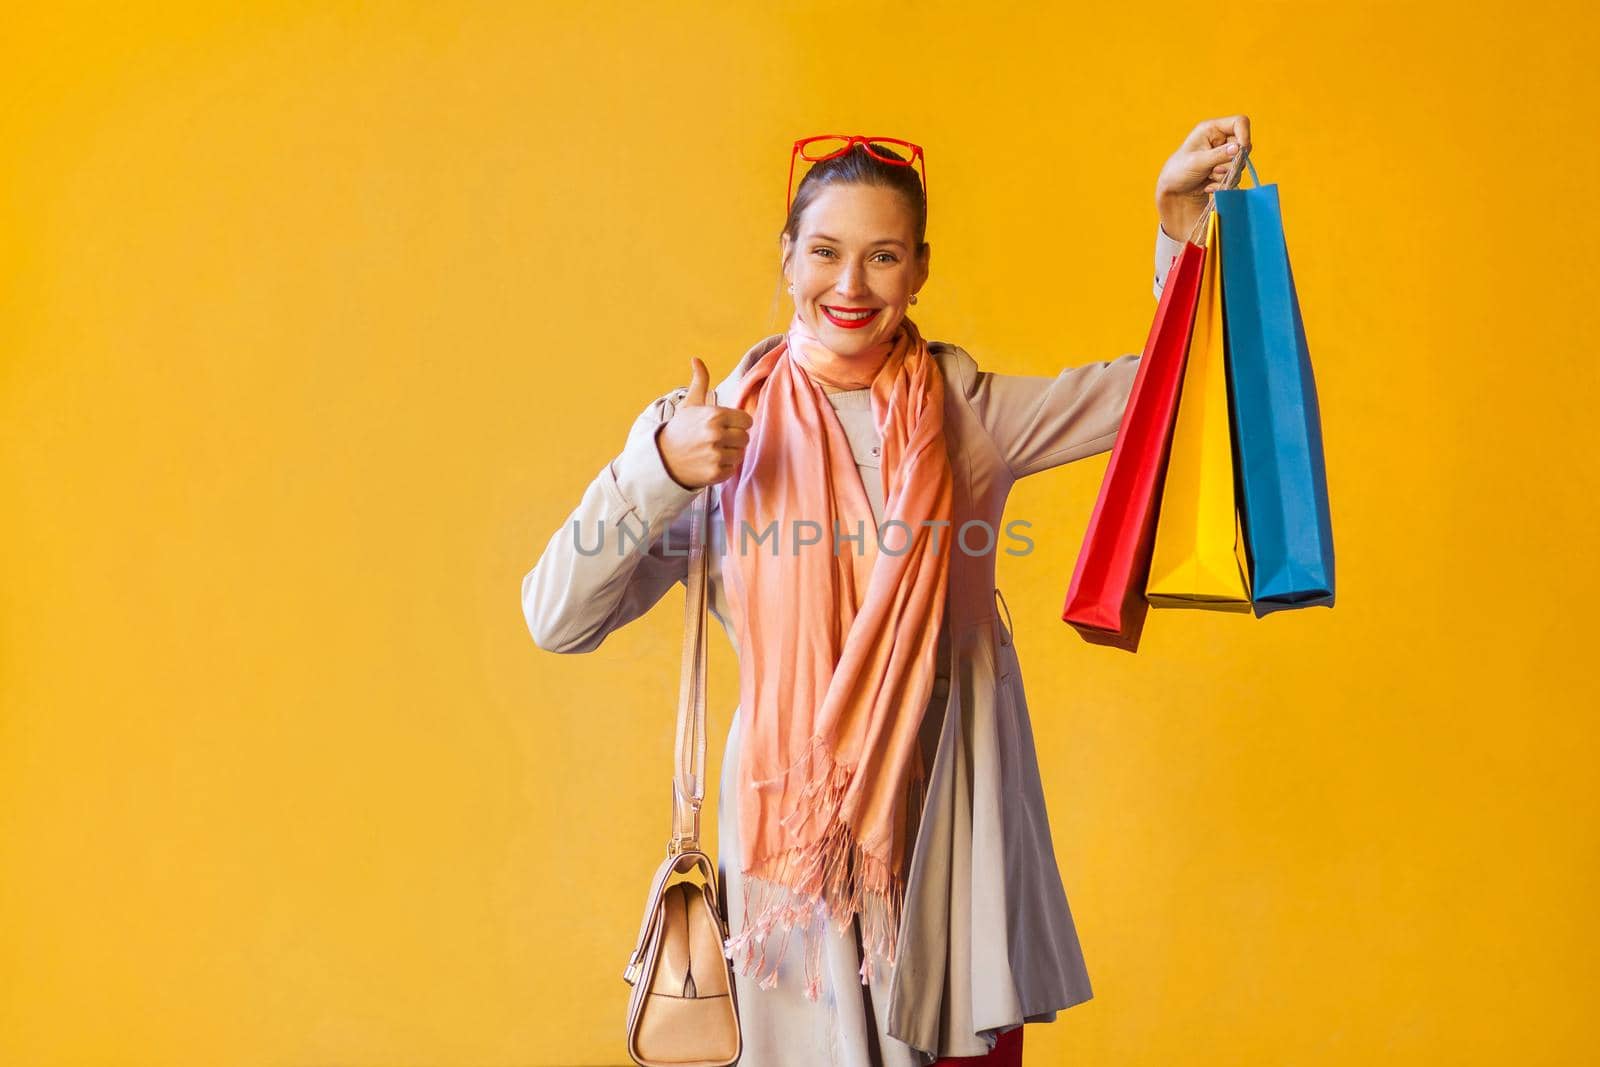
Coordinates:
[1038,423]
[621,549]
[1167,250]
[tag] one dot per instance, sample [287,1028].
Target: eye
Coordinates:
[881,257]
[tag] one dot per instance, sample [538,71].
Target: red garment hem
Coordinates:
[1007,1052]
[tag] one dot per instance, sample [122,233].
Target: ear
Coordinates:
[922,266]
[784,245]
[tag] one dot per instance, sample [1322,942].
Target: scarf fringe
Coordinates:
[830,877]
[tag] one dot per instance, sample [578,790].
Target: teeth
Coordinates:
[851,316]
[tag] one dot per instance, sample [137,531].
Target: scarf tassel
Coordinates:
[831,876]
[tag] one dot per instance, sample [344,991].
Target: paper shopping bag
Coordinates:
[1199,559]
[1277,427]
[1105,602]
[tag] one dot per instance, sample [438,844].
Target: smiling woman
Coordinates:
[854,251]
[880,796]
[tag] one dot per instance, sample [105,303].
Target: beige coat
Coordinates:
[976,955]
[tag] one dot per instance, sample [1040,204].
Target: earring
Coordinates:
[791,288]
[913,298]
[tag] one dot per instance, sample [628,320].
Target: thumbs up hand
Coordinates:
[702,443]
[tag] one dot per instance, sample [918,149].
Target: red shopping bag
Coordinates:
[1105,602]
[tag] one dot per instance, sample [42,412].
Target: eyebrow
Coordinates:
[879,241]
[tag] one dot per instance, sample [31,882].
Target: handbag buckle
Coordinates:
[682,844]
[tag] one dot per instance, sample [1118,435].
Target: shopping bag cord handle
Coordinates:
[1235,173]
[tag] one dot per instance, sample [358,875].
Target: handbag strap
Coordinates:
[689,759]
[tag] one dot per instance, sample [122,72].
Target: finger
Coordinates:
[698,379]
[1241,129]
[734,438]
[1218,131]
[1233,128]
[737,418]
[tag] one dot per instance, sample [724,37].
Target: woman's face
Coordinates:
[855,253]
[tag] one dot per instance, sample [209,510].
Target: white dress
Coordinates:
[848,1025]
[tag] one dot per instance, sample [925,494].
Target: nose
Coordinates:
[850,280]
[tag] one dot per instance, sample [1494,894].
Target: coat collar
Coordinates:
[728,388]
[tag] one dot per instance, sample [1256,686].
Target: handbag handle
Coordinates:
[689,759]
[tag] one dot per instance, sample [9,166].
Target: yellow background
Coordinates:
[316,319]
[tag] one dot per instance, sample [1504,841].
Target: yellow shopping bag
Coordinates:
[1199,557]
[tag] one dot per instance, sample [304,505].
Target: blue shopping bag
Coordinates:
[1277,429]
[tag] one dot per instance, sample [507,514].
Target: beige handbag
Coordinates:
[684,1010]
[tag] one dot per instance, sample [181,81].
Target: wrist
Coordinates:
[1177,216]
[666,464]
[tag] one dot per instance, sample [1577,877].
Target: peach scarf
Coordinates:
[837,640]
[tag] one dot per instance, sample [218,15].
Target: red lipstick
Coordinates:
[850,324]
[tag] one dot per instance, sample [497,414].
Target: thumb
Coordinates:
[699,378]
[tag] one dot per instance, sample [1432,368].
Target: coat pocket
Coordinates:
[1005,629]
[1004,651]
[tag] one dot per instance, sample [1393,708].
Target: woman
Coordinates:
[860,475]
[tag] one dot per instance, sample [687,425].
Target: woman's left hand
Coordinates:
[1196,169]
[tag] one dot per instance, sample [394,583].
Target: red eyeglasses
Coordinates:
[828,145]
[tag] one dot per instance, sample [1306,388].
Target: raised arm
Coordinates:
[596,574]
[1042,422]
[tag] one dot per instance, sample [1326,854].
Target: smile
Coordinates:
[850,318]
